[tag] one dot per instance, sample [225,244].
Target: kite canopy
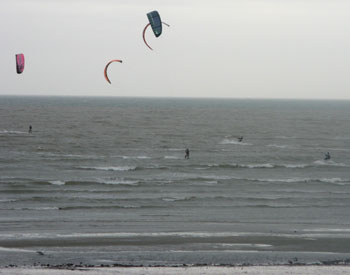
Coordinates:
[156,22]
[20,63]
[106,76]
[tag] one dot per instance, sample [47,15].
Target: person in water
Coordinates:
[240,138]
[187,153]
[30,129]
[327,156]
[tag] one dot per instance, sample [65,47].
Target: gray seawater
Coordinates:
[104,181]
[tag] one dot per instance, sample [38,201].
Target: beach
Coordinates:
[205,270]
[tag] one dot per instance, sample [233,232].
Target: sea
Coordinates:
[103,181]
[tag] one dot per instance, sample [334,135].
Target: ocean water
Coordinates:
[105,181]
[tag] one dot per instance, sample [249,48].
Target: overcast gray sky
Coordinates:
[218,48]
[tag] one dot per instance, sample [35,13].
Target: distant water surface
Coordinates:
[104,180]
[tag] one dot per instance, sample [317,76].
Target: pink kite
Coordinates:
[20,63]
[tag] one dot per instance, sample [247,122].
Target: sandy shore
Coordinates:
[211,270]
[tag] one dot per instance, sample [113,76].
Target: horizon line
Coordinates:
[177,97]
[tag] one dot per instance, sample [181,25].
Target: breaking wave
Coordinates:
[109,168]
[228,141]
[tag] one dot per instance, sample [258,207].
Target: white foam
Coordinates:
[109,168]
[329,163]
[172,157]
[162,234]
[336,230]
[12,132]
[57,182]
[136,157]
[285,137]
[257,165]
[7,249]
[121,182]
[279,146]
[175,149]
[172,199]
[296,180]
[245,245]
[295,165]
[38,208]
[263,165]
[227,141]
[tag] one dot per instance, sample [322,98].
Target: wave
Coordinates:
[256,165]
[227,141]
[182,234]
[12,132]
[7,200]
[67,156]
[120,182]
[57,182]
[172,199]
[10,249]
[176,149]
[109,168]
[173,157]
[329,163]
[272,165]
[43,208]
[136,157]
[335,230]
[280,146]
[304,180]
[96,207]
[286,137]
[197,178]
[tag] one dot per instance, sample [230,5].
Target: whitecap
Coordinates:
[327,230]
[278,146]
[57,182]
[121,182]
[252,166]
[285,137]
[172,199]
[175,149]
[38,208]
[109,168]
[10,249]
[305,180]
[172,157]
[329,163]
[11,132]
[295,165]
[227,141]
[136,157]
[245,245]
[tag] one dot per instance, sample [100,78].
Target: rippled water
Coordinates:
[109,174]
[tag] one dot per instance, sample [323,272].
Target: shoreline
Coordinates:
[195,270]
[71,266]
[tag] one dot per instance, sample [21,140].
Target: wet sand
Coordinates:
[203,270]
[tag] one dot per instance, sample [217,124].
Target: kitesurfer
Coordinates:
[187,153]
[327,156]
[30,129]
[240,138]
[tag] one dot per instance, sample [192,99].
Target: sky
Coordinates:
[218,48]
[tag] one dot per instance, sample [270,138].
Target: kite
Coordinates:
[20,63]
[156,23]
[106,76]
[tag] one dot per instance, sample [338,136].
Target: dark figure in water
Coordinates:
[327,156]
[187,153]
[30,129]
[240,138]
